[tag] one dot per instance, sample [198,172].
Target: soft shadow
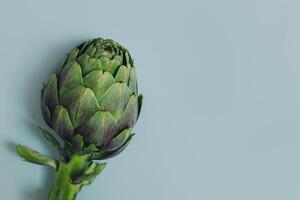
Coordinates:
[11,147]
[39,193]
[30,193]
[32,93]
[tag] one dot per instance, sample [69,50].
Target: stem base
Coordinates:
[63,187]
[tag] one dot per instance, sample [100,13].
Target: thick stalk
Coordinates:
[62,187]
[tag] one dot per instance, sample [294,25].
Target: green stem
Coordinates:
[62,187]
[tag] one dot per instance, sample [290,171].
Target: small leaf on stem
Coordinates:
[33,156]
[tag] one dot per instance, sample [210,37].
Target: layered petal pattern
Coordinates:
[94,97]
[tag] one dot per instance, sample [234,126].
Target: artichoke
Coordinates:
[92,104]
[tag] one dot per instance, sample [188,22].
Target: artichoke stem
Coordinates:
[62,187]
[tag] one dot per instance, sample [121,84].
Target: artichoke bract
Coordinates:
[92,104]
[94,96]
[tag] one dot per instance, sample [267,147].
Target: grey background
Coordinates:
[221,83]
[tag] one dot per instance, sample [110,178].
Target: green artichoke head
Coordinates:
[92,103]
